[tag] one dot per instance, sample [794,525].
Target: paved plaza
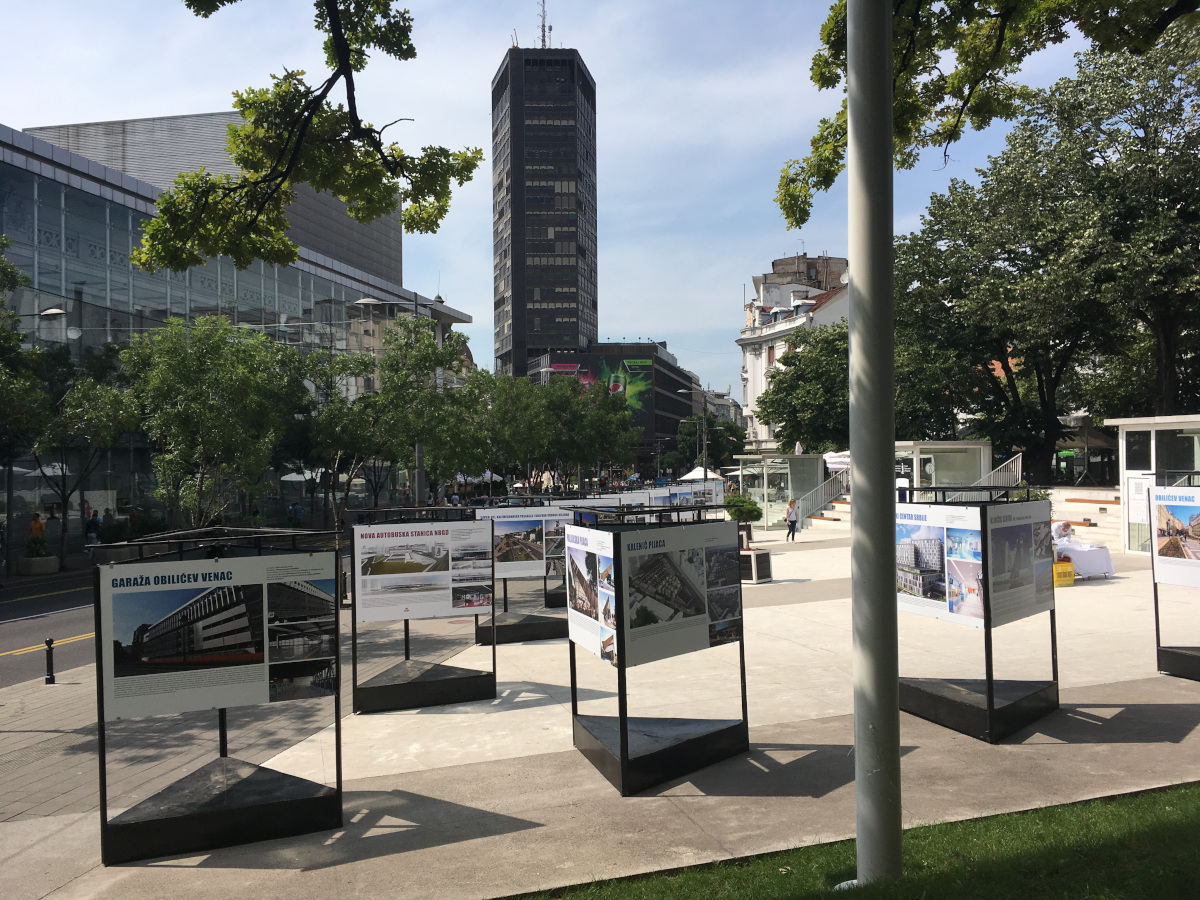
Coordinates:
[490,799]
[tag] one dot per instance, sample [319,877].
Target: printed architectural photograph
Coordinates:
[608,645]
[301,639]
[471,595]
[1177,530]
[666,586]
[921,561]
[181,630]
[518,540]
[407,584]
[964,543]
[415,555]
[722,566]
[581,582]
[1043,541]
[608,609]
[470,552]
[965,590]
[604,573]
[724,632]
[470,576]
[1010,565]
[556,537]
[724,603]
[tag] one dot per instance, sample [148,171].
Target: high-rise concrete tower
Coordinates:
[543,206]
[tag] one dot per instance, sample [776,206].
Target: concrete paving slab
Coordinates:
[489,799]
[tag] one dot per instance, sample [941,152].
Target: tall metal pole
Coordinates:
[872,440]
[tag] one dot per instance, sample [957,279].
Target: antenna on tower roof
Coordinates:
[543,17]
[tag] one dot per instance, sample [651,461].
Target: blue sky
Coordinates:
[699,104]
[147,607]
[906,532]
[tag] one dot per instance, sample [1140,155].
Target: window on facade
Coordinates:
[771,355]
[1137,451]
[1174,450]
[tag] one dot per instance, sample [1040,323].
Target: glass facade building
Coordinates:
[544,206]
[74,224]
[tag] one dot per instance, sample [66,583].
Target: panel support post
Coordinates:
[872,440]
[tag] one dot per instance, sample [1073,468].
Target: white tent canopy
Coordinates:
[698,474]
[838,462]
[50,470]
[306,475]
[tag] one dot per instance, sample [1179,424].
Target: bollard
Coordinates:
[49,660]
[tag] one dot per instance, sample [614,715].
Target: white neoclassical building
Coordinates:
[798,292]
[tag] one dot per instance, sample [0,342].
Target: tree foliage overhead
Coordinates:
[954,62]
[294,133]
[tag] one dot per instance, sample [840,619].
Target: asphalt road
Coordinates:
[29,614]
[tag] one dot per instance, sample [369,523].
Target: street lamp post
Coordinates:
[703,427]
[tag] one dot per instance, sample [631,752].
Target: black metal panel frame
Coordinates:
[634,774]
[196,831]
[989,722]
[1180,662]
[530,627]
[414,692]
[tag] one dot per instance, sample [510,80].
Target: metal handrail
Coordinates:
[821,496]
[1007,474]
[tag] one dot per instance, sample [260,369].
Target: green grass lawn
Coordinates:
[1142,846]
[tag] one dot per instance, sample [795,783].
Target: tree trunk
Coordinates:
[1166,346]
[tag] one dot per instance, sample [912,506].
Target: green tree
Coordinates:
[954,62]
[21,401]
[1131,126]
[608,430]
[82,425]
[213,402]
[296,133]
[11,277]
[516,424]
[457,445]
[808,397]
[1003,279]
[417,377]
[346,424]
[808,394]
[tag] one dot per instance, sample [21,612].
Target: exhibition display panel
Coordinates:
[983,565]
[435,570]
[1175,560]
[182,636]
[638,594]
[529,550]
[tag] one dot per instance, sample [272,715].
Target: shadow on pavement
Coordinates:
[377,823]
[773,770]
[1110,723]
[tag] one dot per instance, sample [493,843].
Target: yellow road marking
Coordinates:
[82,587]
[36,647]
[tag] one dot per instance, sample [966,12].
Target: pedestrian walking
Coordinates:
[793,518]
[37,528]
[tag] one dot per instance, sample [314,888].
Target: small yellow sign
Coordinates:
[1064,574]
